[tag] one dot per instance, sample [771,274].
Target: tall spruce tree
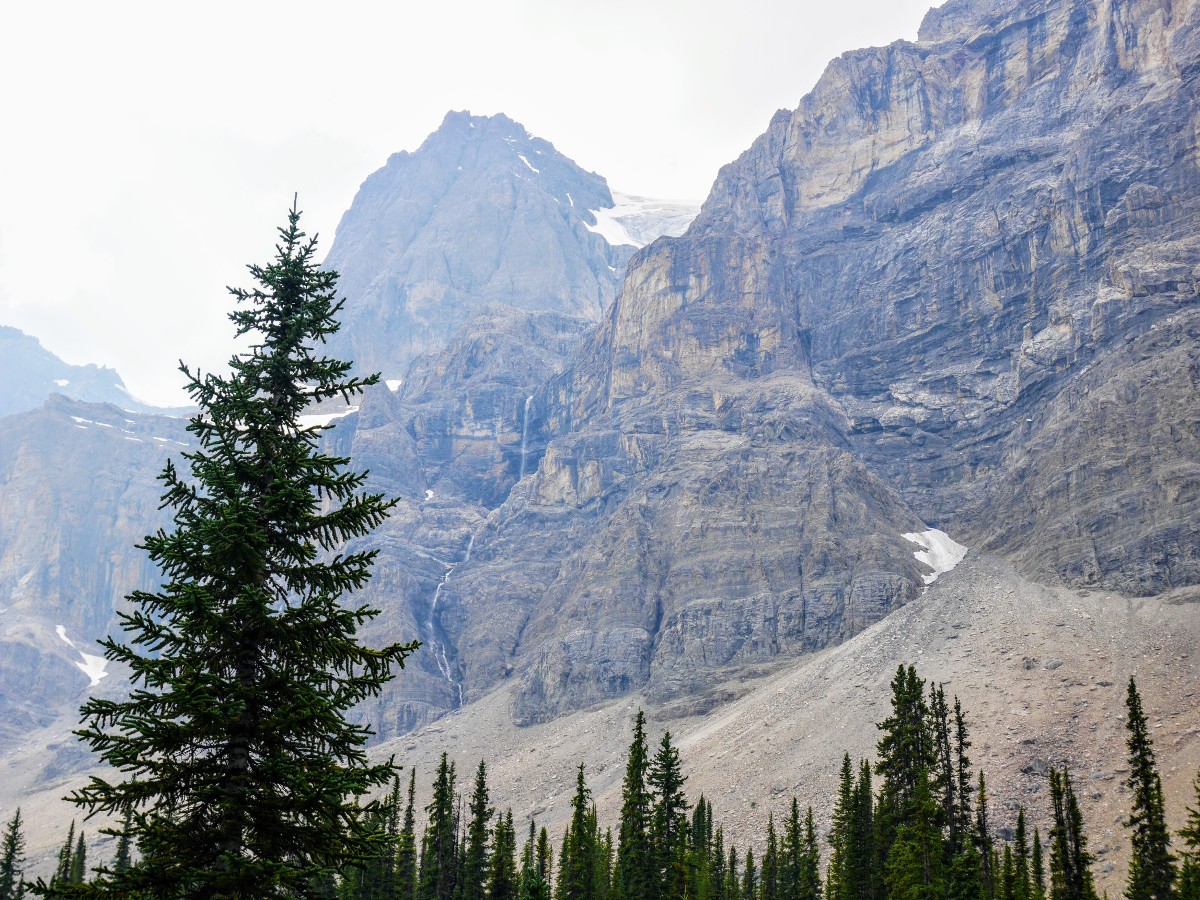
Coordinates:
[577,862]
[439,843]
[1151,867]
[12,855]
[1070,861]
[242,773]
[405,881]
[635,877]
[472,884]
[1189,836]
[503,880]
[1038,866]
[768,888]
[669,831]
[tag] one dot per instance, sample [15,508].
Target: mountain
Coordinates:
[947,302]
[31,373]
[483,213]
[954,289]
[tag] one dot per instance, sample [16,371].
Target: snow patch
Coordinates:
[61,382]
[322,420]
[521,157]
[939,552]
[636,221]
[393,384]
[429,495]
[92,666]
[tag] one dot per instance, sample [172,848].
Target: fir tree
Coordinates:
[960,833]
[1070,861]
[670,821]
[983,842]
[716,865]
[473,882]
[733,886]
[1189,873]
[12,854]
[439,844]
[62,871]
[243,775]
[1038,866]
[502,874]
[1151,868]
[809,885]
[79,861]
[405,883]
[1023,883]
[915,868]
[635,877]
[577,862]
[749,889]
[840,877]
[123,858]
[769,879]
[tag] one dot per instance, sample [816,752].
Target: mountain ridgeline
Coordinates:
[954,289]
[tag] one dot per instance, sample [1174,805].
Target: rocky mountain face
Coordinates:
[482,213]
[78,491]
[30,373]
[954,289]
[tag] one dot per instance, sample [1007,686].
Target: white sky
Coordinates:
[149,149]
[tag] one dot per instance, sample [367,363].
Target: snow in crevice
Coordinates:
[393,384]
[938,551]
[92,666]
[521,157]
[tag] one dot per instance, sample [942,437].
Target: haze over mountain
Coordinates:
[950,299]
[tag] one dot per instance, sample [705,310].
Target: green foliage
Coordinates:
[439,846]
[502,883]
[669,830]
[12,854]
[242,774]
[1070,861]
[472,884]
[635,877]
[1151,867]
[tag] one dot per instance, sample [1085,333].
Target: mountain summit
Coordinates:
[482,213]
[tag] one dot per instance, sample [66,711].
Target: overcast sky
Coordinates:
[150,149]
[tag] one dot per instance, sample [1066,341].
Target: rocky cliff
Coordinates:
[955,287]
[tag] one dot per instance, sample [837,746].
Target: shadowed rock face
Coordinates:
[482,213]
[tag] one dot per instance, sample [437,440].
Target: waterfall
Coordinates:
[439,647]
[525,435]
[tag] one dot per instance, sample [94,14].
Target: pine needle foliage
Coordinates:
[243,776]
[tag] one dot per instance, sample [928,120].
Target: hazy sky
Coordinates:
[149,149]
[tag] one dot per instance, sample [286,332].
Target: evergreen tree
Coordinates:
[793,862]
[840,878]
[62,871]
[905,757]
[733,886]
[12,854]
[1038,865]
[960,833]
[1070,861]
[577,862]
[716,866]
[1151,868]
[473,882]
[749,889]
[1008,875]
[809,885]
[123,858]
[769,879]
[983,842]
[915,868]
[79,861]
[243,775]
[1189,873]
[668,834]
[1023,883]
[535,866]
[439,844]
[405,882]
[635,877]
[943,776]
[502,875]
